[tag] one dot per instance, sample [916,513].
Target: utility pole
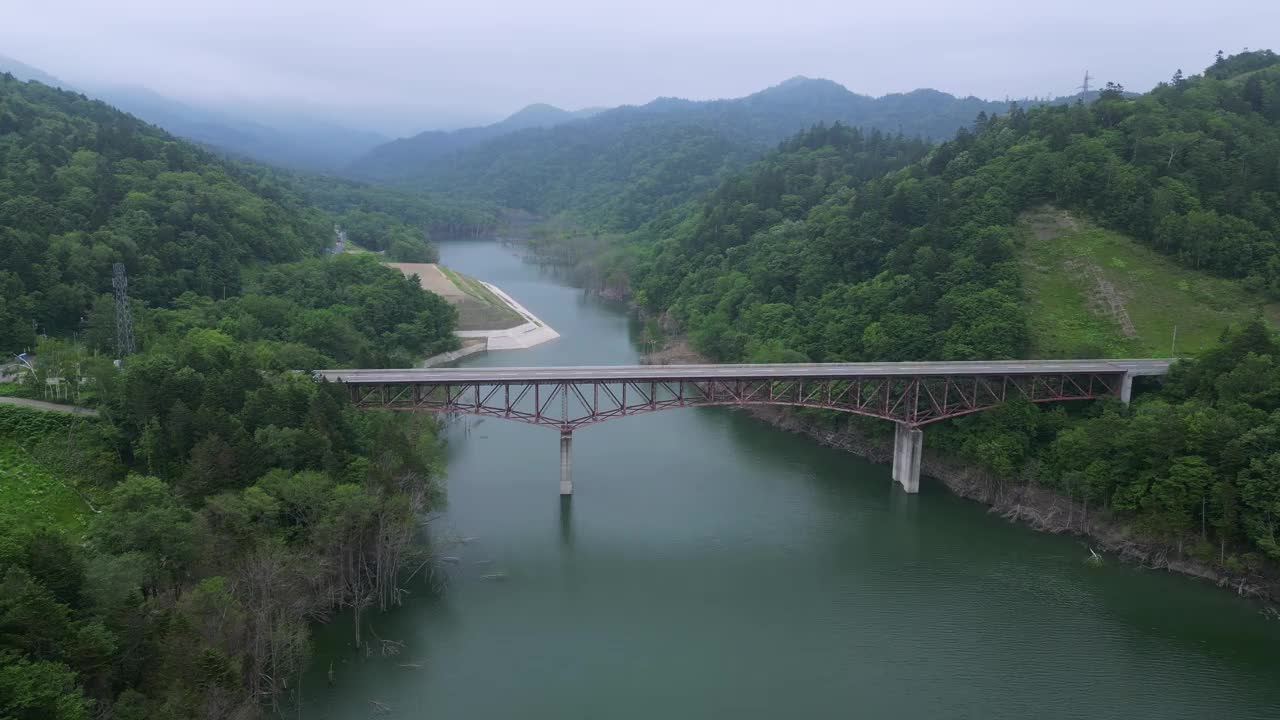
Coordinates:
[124,321]
[1084,89]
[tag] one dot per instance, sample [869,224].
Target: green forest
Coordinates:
[616,169]
[167,558]
[390,220]
[847,246]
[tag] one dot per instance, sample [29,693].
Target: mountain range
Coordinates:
[759,120]
[406,156]
[619,166]
[296,142]
[620,163]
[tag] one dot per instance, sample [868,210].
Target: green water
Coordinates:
[709,566]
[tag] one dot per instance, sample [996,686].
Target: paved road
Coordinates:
[48,406]
[696,372]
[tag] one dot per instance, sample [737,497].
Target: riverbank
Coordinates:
[1037,507]
[488,318]
[470,347]
[525,335]
[695,536]
[528,334]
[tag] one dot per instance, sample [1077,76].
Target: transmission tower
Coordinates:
[1084,89]
[124,321]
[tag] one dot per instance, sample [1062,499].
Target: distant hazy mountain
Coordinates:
[620,166]
[406,156]
[298,143]
[769,116]
[25,72]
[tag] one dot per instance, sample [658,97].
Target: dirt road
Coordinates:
[48,406]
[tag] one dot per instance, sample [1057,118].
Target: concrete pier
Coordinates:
[566,462]
[908,442]
[1126,388]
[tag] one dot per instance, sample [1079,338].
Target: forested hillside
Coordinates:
[83,185]
[394,221]
[1192,168]
[296,142]
[407,156]
[624,166]
[801,258]
[167,559]
[434,213]
[817,253]
[24,72]
[225,502]
[299,142]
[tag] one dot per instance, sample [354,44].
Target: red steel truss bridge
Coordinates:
[910,394]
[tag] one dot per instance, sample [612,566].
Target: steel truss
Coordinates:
[568,405]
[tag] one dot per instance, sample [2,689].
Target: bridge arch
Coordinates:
[909,394]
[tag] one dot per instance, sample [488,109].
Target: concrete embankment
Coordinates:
[525,335]
[489,318]
[465,350]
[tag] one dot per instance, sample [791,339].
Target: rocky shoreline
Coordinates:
[1038,507]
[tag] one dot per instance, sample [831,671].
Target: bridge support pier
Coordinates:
[1126,388]
[566,462]
[908,442]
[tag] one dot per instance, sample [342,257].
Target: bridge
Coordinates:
[910,394]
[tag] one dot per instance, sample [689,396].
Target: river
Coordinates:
[711,566]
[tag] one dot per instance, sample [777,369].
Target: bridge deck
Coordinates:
[620,373]
[911,394]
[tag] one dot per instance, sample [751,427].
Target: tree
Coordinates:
[142,516]
[39,690]
[1176,497]
[1224,503]
[1260,491]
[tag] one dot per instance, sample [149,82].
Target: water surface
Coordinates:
[711,566]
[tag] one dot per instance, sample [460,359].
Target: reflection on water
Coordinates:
[711,566]
[566,520]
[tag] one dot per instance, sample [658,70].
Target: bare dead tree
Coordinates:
[276,609]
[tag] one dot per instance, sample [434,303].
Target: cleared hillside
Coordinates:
[1095,292]
[478,308]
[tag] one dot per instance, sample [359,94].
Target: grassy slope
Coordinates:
[487,312]
[482,310]
[1067,266]
[31,492]
[30,495]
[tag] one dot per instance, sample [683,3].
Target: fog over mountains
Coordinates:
[296,142]
[405,157]
[540,137]
[623,162]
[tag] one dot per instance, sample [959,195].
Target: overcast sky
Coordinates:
[404,65]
